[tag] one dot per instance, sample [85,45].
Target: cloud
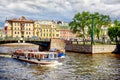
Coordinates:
[112,2]
[56,9]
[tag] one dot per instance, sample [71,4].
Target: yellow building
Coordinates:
[46,29]
[2,33]
[19,27]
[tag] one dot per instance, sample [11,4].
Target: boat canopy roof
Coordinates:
[41,52]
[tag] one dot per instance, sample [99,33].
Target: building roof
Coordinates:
[47,22]
[21,19]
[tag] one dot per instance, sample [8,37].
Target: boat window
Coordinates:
[55,55]
[51,56]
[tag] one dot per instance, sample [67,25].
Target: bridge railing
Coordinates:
[24,39]
[18,40]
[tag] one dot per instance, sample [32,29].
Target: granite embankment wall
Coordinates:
[104,48]
[78,48]
[92,49]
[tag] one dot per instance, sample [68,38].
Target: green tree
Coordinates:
[80,21]
[116,23]
[114,32]
[84,19]
[99,21]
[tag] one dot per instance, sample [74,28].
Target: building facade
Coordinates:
[21,27]
[40,29]
[66,34]
[2,33]
[46,29]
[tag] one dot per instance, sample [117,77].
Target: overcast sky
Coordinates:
[56,9]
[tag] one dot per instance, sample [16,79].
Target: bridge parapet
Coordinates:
[22,41]
[11,46]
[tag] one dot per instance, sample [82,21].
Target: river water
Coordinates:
[75,67]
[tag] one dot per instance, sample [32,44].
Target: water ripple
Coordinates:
[76,67]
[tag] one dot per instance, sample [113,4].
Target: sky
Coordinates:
[58,10]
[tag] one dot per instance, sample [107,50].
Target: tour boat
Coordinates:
[41,58]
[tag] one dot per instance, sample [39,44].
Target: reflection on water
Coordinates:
[76,67]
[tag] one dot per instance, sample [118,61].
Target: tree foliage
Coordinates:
[79,23]
[99,21]
[84,19]
[114,32]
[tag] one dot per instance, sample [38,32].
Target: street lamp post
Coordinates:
[92,36]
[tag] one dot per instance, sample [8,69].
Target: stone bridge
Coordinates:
[10,46]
